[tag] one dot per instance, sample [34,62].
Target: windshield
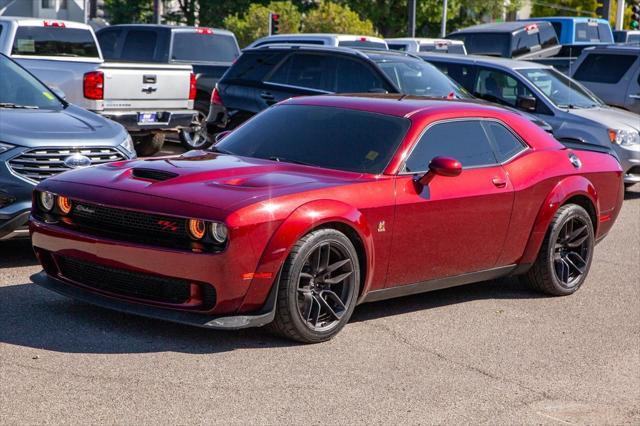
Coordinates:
[203,47]
[18,89]
[561,90]
[55,41]
[334,138]
[416,77]
[363,44]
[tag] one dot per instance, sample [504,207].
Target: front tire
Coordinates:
[318,287]
[565,257]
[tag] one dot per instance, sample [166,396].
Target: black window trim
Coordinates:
[525,145]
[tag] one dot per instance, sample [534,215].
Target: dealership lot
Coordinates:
[493,352]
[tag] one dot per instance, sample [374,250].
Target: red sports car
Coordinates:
[321,203]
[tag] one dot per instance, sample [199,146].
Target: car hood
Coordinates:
[220,181]
[612,118]
[68,127]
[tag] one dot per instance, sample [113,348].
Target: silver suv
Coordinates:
[578,117]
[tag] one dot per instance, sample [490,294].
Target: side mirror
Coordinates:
[443,166]
[526,103]
[59,93]
[221,135]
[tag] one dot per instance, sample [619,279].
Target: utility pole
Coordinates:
[412,18]
[620,15]
[443,28]
[157,11]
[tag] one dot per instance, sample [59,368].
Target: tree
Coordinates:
[128,11]
[330,17]
[567,7]
[254,23]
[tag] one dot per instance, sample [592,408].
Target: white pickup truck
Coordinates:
[147,99]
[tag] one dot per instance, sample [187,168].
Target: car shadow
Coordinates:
[632,193]
[504,288]
[17,253]
[35,317]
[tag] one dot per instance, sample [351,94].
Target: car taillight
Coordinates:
[192,87]
[55,24]
[93,85]
[215,97]
[206,31]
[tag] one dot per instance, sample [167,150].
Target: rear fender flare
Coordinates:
[564,190]
[309,216]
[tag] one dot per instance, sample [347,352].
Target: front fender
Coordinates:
[305,218]
[565,189]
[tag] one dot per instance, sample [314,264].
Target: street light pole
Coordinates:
[620,14]
[157,11]
[412,18]
[443,28]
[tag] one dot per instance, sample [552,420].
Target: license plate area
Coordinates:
[147,117]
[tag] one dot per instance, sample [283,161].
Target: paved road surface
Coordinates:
[487,353]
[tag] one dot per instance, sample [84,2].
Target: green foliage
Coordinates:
[330,17]
[566,8]
[254,23]
[129,11]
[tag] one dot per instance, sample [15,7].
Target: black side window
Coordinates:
[525,42]
[604,32]
[463,74]
[505,143]
[254,66]
[304,70]
[355,77]
[497,86]
[140,46]
[548,37]
[604,68]
[108,40]
[466,141]
[557,26]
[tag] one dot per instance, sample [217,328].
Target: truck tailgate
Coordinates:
[146,86]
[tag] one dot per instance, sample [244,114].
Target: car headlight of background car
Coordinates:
[5,147]
[624,137]
[128,146]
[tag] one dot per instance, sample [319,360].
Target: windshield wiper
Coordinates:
[287,160]
[15,106]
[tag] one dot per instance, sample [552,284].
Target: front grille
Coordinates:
[132,284]
[38,164]
[121,221]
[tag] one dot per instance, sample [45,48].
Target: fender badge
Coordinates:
[575,161]
[381,226]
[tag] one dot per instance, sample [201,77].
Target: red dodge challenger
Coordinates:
[321,203]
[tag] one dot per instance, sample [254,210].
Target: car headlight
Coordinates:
[127,145]
[46,200]
[5,147]
[624,137]
[219,232]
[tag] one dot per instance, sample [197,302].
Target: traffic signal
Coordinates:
[635,15]
[274,23]
[604,9]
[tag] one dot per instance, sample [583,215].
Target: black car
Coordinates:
[521,40]
[266,75]
[210,51]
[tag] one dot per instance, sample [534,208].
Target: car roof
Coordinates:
[621,48]
[483,60]
[422,40]
[368,52]
[393,104]
[169,27]
[39,22]
[497,27]
[564,18]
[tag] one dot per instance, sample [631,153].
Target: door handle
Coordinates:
[499,182]
[635,96]
[267,96]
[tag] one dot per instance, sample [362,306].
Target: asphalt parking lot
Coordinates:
[493,352]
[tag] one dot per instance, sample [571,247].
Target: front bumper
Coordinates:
[15,204]
[171,120]
[630,162]
[263,317]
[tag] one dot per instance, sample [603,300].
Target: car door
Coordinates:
[300,74]
[454,225]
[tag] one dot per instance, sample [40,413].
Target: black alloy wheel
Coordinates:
[318,287]
[571,251]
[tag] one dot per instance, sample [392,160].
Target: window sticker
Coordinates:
[372,155]
[26,45]
[48,95]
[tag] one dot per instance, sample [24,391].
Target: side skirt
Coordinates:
[437,284]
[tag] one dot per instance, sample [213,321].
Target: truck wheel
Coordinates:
[318,287]
[149,145]
[566,253]
[196,137]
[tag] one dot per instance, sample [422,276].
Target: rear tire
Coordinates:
[318,287]
[149,145]
[197,137]
[565,257]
